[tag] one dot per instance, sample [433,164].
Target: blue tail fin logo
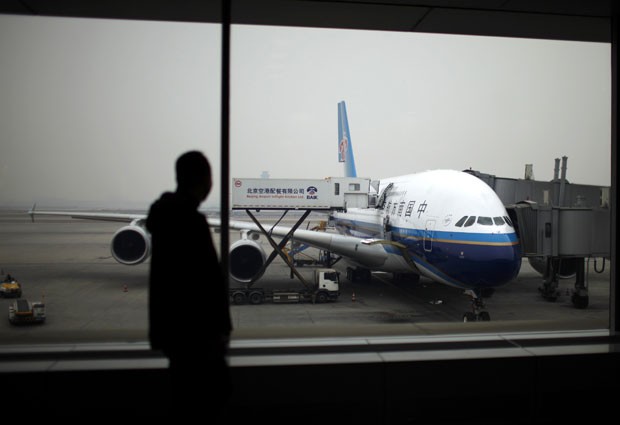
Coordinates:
[345,149]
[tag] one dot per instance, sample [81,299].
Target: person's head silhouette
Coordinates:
[193,174]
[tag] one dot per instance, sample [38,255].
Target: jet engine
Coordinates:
[246,258]
[131,245]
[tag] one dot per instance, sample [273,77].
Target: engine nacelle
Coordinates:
[131,245]
[246,258]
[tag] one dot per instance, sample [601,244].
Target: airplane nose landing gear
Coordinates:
[478,314]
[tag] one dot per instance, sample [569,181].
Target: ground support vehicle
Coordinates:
[22,311]
[10,289]
[324,287]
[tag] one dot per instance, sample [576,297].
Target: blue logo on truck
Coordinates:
[311,192]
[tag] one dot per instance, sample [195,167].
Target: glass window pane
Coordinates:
[461,221]
[485,221]
[93,115]
[470,221]
[125,113]
[437,107]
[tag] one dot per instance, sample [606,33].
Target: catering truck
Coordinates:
[324,287]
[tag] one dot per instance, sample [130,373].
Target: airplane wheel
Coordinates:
[484,316]
[469,317]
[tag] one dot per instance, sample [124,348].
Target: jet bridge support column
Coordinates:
[549,289]
[580,296]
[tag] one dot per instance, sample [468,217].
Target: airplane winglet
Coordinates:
[31,212]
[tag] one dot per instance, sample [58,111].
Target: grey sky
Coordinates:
[94,112]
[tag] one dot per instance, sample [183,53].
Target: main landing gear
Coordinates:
[478,314]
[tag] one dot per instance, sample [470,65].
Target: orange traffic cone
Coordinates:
[353,297]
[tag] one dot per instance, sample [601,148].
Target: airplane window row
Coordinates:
[467,221]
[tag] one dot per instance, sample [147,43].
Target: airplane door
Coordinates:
[429,231]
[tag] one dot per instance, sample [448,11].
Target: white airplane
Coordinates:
[446,225]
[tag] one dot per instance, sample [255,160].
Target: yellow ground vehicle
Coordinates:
[10,288]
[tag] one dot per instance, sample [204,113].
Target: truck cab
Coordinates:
[327,284]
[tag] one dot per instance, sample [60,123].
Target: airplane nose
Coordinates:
[489,267]
[503,267]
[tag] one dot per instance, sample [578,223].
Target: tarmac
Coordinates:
[90,298]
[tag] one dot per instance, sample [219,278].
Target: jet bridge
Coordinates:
[562,226]
[247,258]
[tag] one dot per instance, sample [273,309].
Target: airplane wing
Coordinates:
[99,216]
[88,215]
[369,253]
[365,252]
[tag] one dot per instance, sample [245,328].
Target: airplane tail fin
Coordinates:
[345,149]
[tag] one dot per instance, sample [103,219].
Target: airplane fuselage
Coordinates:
[444,224]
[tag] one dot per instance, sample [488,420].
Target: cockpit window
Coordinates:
[470,221]
[467,221]
[461,221]
[485,221]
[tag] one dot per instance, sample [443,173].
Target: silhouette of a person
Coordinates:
[189,317]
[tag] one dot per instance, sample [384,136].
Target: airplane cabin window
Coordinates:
[508,221]
[499,221]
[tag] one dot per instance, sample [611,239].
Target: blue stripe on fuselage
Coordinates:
[466,260]
[468,264]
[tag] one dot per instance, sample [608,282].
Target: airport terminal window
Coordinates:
[270,59]
[271,67]
[115,103]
